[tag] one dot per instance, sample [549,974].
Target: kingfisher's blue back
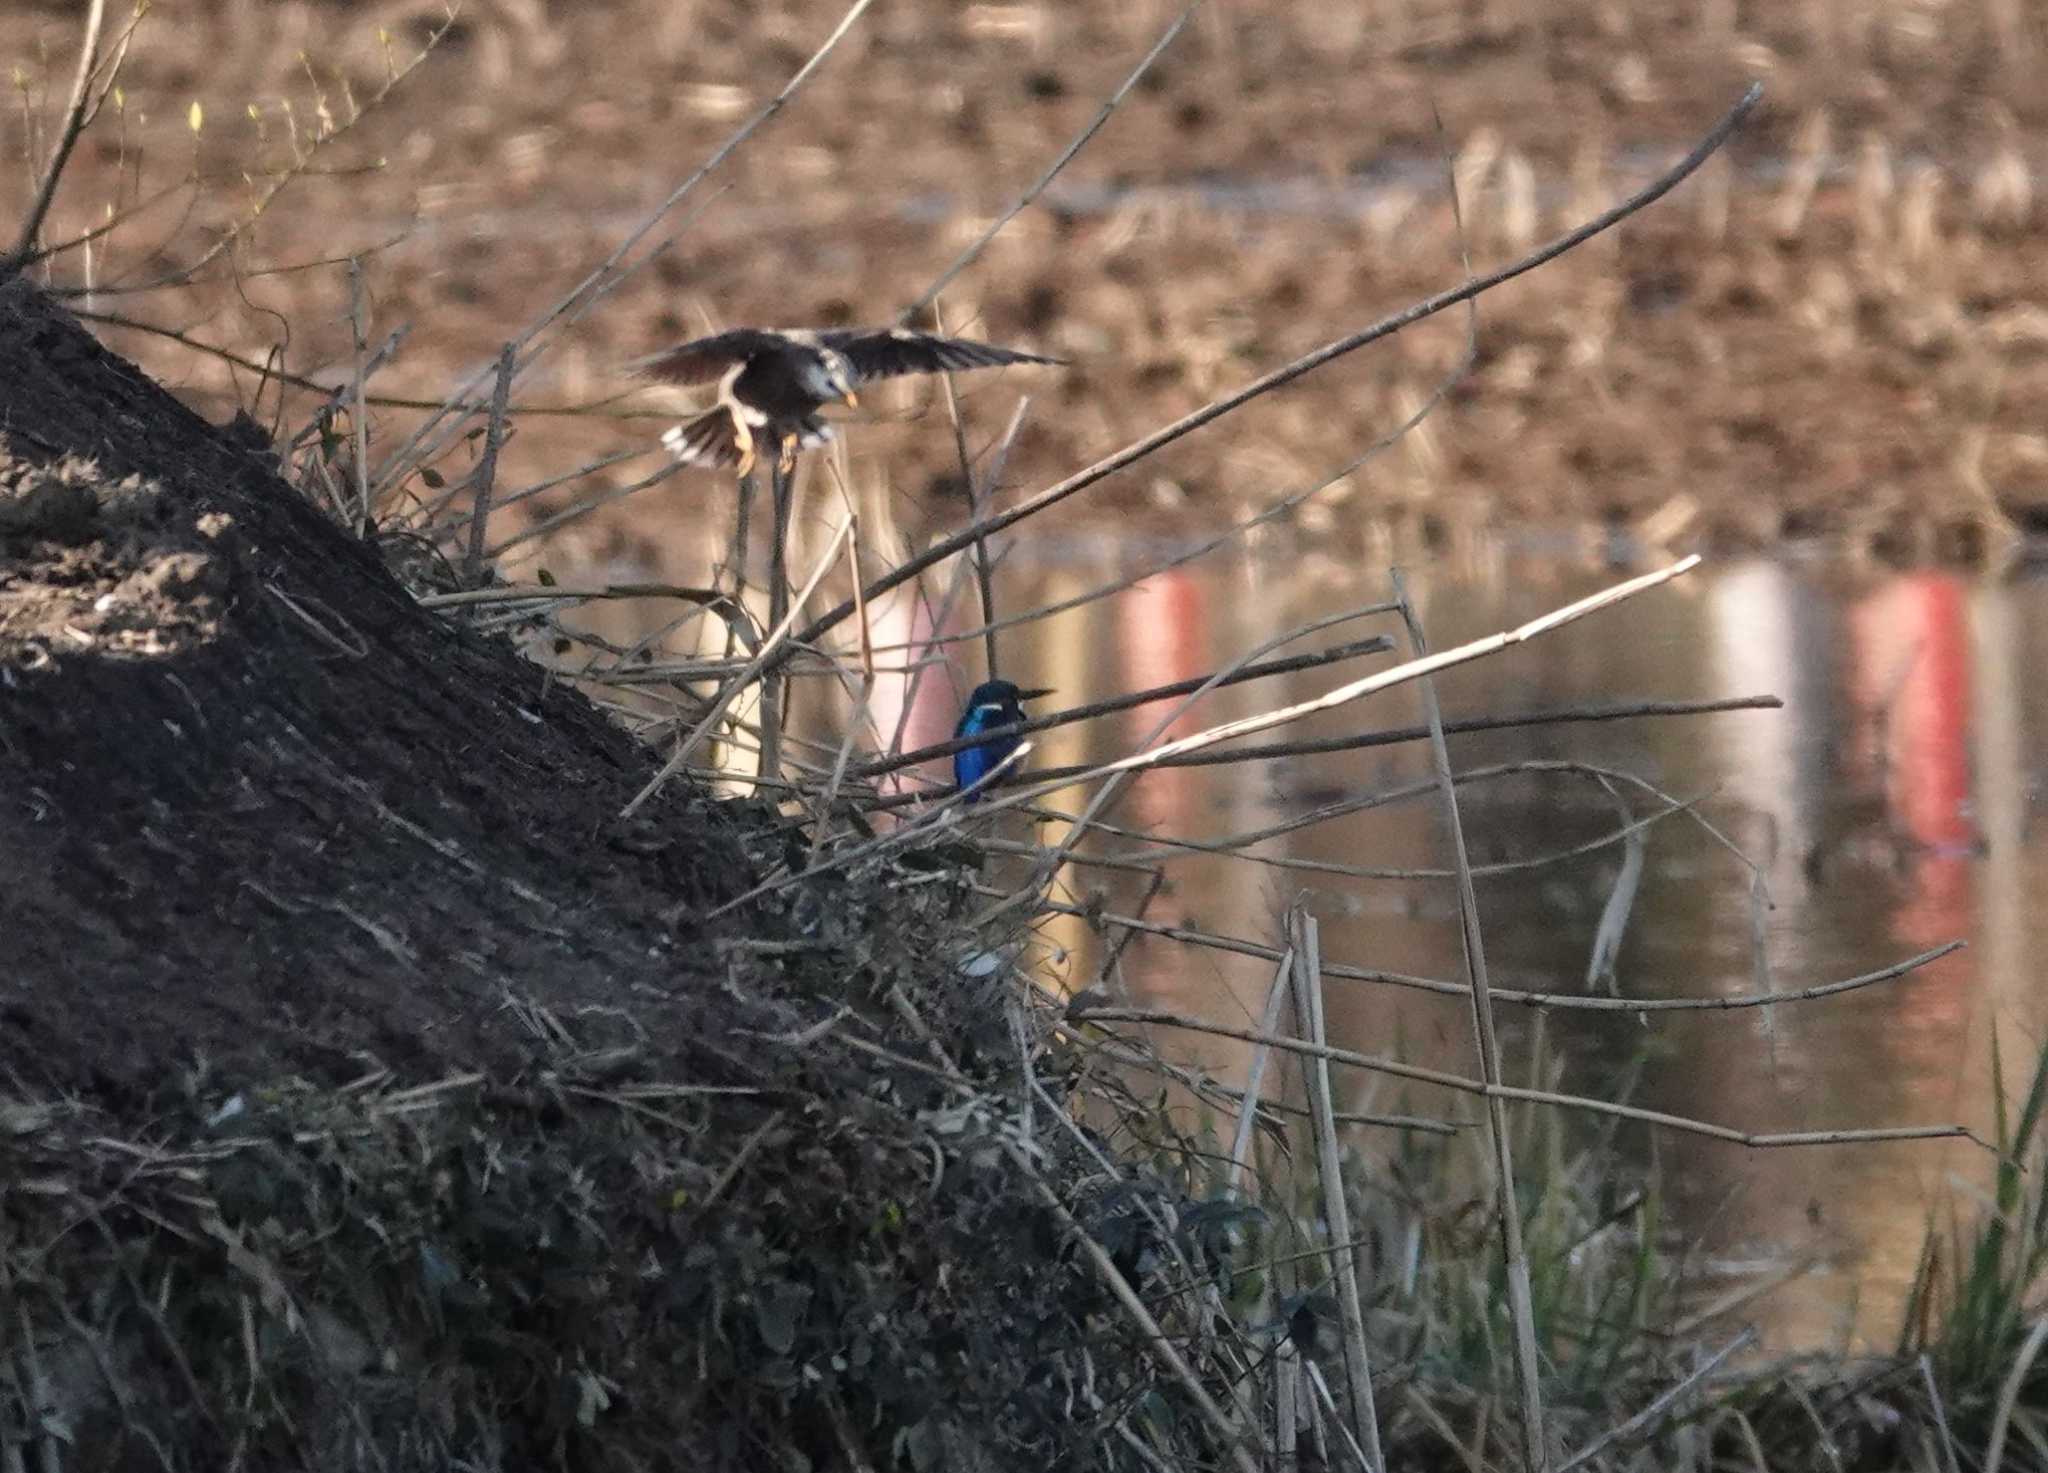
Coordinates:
[993,703]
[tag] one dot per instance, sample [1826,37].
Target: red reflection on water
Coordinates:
[931,709]
[1911,671]
[1163,635]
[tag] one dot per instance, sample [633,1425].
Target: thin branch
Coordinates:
[866,694]
[359,417]
[596,409]
[946,547]
[781,489]
[581,509]
[1255,1073]
[1507,1203]
[74,125]
[1479,1087]
[1306,944]
[1358,689]
[1171,847]
[487,467]
[351,395]
[142,206]
[967,257]
[1653,1413]
[1122,1053]
[976,490]
[739,682]
[300,167]
[608,273]
[1385,737]
[1566,1001]
[1287,665]
[1156,1339]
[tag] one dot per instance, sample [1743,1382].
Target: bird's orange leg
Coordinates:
[744,437]
[790,444]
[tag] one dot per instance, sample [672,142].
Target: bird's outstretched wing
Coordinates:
[889,352]
[706,360]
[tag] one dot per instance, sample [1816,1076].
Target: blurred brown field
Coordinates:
[1836,331]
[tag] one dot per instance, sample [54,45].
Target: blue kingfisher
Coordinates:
[993,703]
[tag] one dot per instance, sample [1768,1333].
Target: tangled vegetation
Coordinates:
[400,1068]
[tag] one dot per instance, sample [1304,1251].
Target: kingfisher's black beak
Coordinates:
[1032,695]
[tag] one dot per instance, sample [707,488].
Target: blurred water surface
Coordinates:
[1891,806]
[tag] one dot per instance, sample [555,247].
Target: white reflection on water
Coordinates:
[1888,806]
[1891,806]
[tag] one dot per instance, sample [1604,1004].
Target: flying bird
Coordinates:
[991,704]
[772,383]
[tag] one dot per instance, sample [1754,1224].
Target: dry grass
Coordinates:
[1475,1292]
[1835,339]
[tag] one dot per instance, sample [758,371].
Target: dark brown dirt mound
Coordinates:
[256,803]
[358,1111]
[113,574]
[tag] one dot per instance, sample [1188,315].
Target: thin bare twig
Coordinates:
[75,112]
[487,467]
[1156,1339]
[1385,737]
[1428,307]
[976,490]
[597,409]
[1650,1415]
[1173,846]
[547,525]
[1216,680]
[2009,1394]
[1023,201]
[430,437]
[861,625]
[230,237]
[730,692]
[1767,1140]
[552,593]
[1566,1001]
[1305,942]
[1507,1204]
[1255,1073]
[773,686]
[1357,689]
[359,416]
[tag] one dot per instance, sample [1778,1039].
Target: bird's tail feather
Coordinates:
[710,439]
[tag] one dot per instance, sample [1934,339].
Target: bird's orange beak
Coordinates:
[852,400]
